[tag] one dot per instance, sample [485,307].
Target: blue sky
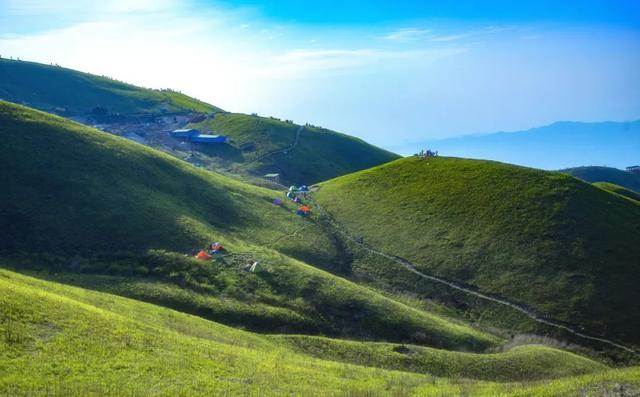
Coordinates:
[392,72]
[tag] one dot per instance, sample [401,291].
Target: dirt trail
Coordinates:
[500,300]
[288,235]
[273,152]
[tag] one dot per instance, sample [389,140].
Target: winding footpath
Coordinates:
[289,235]
[499,300]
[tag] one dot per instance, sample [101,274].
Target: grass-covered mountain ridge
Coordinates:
[300,154]
[93,218]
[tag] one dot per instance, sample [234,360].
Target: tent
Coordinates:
[277,202]
[303,210]
[202,255]
[215,248]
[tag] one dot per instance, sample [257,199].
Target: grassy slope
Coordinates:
[71,92]
[79,342]
[320,154]
[613,188]
[606,174]
[78,200]
[531,362]
[567,248]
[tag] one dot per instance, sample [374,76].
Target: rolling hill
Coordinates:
[593,174]
[257,146]
[69,92]
[78,200]
[78,342]
[100,296]
[612,187]
[300,154]
[546,240]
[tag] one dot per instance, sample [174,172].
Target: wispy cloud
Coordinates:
[303,62]
[406,34]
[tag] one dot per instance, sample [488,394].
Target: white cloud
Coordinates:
[406,34]
[303,63]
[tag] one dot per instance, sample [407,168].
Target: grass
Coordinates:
[69,92]
[77,342]
[137,213]
[592,174]
[613,188]
[72,341]
[524,363]
[618,382]
[568,249]
[319,155]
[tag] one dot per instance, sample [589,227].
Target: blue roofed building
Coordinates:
[202,138]
[193,135]
[185,133]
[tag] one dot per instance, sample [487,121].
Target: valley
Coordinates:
[425,276]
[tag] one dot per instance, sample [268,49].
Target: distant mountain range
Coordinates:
[556,146]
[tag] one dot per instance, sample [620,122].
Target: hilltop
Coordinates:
[72,93]
[593,174]
[542,239]
[562,144]
[300,154]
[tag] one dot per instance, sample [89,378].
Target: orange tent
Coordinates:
[202,255]
[304,208]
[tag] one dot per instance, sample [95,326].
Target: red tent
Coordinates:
[202,255]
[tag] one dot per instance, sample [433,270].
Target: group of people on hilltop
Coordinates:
[427,153]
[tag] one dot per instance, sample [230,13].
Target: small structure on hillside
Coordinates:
[273,177]
[193,135]
[634,168]
[203,138]
[184,133]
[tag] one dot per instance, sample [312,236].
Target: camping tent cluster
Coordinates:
[212,249]
[297,192]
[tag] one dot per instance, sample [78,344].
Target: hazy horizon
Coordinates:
[386,73]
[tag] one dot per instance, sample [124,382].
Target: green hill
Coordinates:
[258,145]
[78,200]
[90,220]
[564,247]
[300,154]
[606,174]
[69,92]
[77,342]
[612,187]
